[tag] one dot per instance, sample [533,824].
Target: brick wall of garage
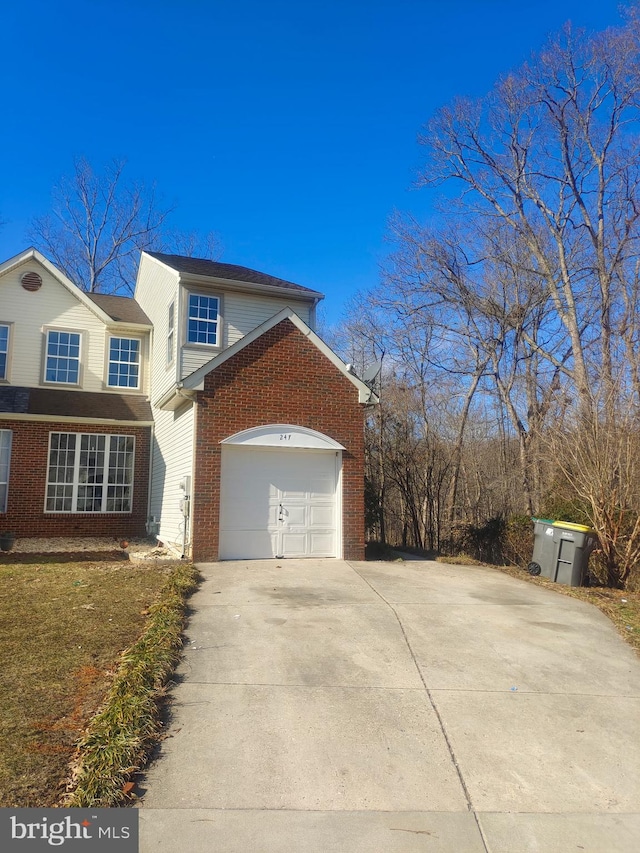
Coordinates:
[279,378]
[25,514]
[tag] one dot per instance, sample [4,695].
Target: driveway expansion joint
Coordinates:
[436,711]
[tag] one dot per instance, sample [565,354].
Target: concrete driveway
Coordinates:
[348,707]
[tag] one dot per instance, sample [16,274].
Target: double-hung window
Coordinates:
[62,363]
[90,472]
[124,363]
[203,319]
[5,458]
[4,350]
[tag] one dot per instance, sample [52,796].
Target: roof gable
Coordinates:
[195,381]
[34,256]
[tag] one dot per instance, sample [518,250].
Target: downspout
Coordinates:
[150,477]
[186,527]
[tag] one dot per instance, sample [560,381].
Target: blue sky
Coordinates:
[289,128]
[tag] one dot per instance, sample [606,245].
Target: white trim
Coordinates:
[3,509]
[192,279]
[123,337]
[195,381]
[201,345]
[339,525]
[70,419]
[53,383]
[283,436]
[170,339]
[75,484]
[6,379]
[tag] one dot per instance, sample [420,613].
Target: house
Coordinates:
[206,410]
[75,418]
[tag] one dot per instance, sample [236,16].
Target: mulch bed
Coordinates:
[12,557]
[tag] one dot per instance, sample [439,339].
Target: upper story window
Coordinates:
[124,363]
[202,319]
[171,325]
[5,457]
[4,350]
[63,357]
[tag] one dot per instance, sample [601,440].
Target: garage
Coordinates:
[280,494]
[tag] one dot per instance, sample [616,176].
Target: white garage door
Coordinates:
[278,503]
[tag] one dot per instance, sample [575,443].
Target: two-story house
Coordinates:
[206,410]
[75,419]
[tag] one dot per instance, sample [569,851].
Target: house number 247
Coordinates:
[285,436]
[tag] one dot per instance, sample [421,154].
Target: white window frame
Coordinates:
[171,332]
[6,437]
[115,337]
[76,484]
[47,331]
[7,365]
[218,320]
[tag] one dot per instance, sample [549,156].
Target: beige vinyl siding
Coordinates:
[172,460]
[155,288]
[52,306]
[241,313]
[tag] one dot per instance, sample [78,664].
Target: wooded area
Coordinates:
[509,324]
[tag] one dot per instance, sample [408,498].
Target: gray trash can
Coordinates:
[573,546]
[543,557]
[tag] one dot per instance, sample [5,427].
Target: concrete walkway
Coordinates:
[332,707]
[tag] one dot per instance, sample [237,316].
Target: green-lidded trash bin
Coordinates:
[543,557]
[573,546]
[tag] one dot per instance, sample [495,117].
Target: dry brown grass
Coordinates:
[62,628]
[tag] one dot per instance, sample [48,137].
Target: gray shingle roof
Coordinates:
[232,272]
[79,404]
[121,308]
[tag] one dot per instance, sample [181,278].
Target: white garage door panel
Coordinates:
[278,503]
[322,516]
[321,542]
[247,545]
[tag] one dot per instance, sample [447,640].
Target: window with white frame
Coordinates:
[5,459]
[171,332]
[4,350]
[90,472]
[124,363]
[63,357]
[202,319]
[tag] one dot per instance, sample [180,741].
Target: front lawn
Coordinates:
[62,629]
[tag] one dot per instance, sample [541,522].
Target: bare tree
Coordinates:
[191,244]
[600,462]
[101,221]
[535,274]
[551,155]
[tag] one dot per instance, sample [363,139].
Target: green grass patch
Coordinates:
[119,737]
[62,627]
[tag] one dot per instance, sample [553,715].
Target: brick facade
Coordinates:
[25,514]
[279,378]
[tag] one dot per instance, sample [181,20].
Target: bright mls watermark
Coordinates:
[80,830]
